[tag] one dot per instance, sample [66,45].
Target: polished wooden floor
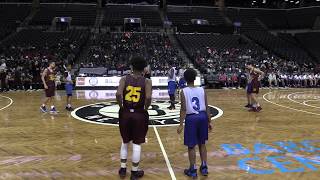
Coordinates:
[41,146]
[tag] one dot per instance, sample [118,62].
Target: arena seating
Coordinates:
[183,15]
[247,17]
[116,13]
[268,18]
[35,45]
[302,18]
[310,41]
[282,48]
[82,15]
[223,50]
[11,16]
[112,50]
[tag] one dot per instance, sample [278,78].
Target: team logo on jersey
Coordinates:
[106,113]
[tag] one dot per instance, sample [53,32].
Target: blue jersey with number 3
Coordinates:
[195,100]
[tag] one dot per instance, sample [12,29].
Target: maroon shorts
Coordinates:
[133,126]
[50,92]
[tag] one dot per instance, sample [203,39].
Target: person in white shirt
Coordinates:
[272,79]
[172,86]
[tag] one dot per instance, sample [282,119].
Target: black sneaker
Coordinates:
[136,174]
[122,172]
[191,173]
[204,170]
[43,109]
[248,106]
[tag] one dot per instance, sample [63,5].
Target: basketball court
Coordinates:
[280,142]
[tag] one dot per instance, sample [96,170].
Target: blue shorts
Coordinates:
[172,87]
[196,129]
[182,83]
[252,88]
[69,88]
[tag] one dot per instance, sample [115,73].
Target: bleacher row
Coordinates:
[300,48]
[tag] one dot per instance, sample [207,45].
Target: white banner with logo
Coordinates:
[111,94]
[114,81]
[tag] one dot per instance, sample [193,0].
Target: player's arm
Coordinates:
[44,73]
[207,110]
[261,73]
[183,111]
[119,94]
[148,91]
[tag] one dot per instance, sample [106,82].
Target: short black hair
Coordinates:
[138,63]
[190,75]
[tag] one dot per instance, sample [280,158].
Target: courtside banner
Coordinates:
[114,81]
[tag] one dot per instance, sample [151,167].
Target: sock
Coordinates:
[136,153]
[123,154]
[258,105]
[43,105]
[204,163]
[52,107]
[193,166]
[69,105]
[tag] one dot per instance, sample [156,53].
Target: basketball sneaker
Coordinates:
[53,111]
[191,172]
[43,109]
[204,170]
[136,174]
[258,109]
[248,106]
[122,172]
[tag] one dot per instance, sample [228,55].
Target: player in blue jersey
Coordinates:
[195,112]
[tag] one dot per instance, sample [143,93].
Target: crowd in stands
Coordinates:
[24,56]
[112,51]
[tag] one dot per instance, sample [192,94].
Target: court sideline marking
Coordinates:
[173,177]
[11,101]
[299,110]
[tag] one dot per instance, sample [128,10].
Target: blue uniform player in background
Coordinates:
[195,112]
[68,87]
[172,86]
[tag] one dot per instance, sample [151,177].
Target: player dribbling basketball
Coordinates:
[194,110]
[134,98]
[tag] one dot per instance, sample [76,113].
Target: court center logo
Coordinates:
[106,113]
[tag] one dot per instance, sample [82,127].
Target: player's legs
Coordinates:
[191,140]
[139,127]
[123,159]
[69,88]
[248,94]
[172,93]
[255,106]
[203,157]
[46,101]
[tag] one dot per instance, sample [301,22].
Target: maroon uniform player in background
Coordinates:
[48,79]
[134,98]
[255,75]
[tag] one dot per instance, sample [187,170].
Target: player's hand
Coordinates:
[180,128]
[45,86]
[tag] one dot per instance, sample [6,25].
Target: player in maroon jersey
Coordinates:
[48,79]
[134,98]
[255,75]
